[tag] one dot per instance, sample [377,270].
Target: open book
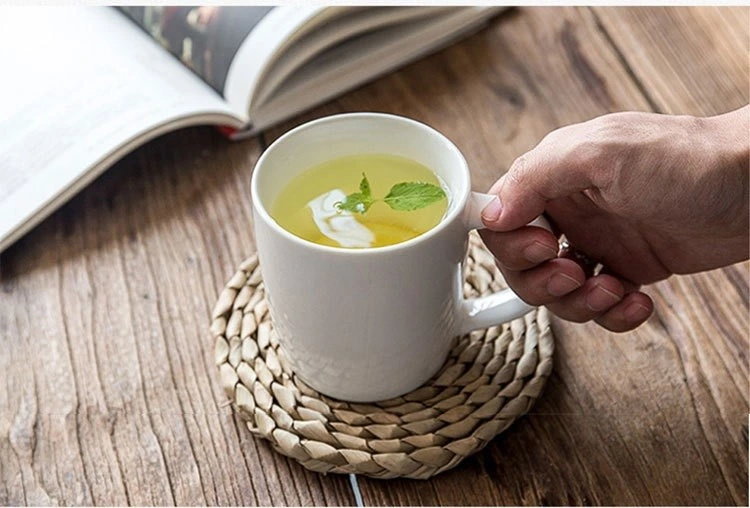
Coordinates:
[83,86]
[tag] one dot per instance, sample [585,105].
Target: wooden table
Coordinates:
[110,394]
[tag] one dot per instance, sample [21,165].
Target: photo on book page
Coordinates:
[205,38]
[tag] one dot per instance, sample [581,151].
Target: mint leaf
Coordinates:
[405,196]
[358,202]
[364,187]
[413,195]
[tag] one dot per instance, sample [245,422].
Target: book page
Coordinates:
[280,28]
[81,87]
[364,57]
[204,38]
[357,21]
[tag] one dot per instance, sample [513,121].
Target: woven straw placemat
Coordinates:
[491,378]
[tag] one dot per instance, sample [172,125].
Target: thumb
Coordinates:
[534,179]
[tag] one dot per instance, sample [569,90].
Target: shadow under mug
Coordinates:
[371,324]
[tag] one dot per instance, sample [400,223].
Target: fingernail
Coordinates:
[492,211]
[561,284]
[538,252]
[601,298]
[635,312]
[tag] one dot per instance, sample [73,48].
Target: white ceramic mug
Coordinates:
[371,324]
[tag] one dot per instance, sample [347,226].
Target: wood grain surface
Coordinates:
[110,393]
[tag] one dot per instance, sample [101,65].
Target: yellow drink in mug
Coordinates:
[309,206]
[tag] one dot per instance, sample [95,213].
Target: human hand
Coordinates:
[645,195]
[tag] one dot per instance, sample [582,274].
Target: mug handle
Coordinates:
[495,308]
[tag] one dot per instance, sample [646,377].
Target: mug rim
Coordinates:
[457,209]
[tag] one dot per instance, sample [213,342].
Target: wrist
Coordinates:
[729,142]
[729,138]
